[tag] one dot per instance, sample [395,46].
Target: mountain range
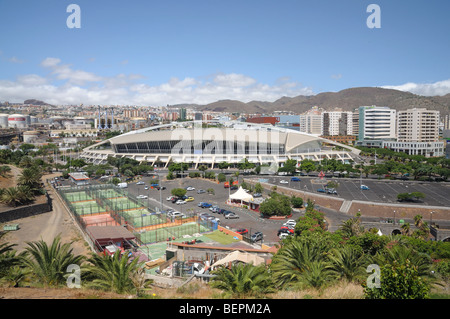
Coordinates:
[347,100]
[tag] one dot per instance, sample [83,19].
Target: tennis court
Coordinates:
[143,217]
[77,196]
[113,207]
[87,208]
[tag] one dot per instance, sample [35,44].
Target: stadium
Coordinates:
[212,142]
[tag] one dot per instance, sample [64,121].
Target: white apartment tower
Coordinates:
[376,123]
[418,125]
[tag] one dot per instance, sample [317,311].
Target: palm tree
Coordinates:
[8,257]
[116,273]
[4,170]
[14,196]
[348,263]
[243,280]
[49,263]
[401,254]
[352,227]
[294,260]
[406,229]
[30,177]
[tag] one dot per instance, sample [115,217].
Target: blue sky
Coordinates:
[167,52]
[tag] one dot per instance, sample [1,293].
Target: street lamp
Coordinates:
[394,217]
[431,218]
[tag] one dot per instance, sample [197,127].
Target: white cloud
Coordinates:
[426,89]
[50,62]
[65,85]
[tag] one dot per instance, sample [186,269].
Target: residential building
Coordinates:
[417,125]
[337,123]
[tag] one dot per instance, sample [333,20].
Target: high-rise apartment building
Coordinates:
[418,125]
[376,123]
[311,124]
[337,123]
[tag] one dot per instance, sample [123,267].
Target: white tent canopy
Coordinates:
[241,195]
[240,256]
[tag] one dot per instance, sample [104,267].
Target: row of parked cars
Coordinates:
[287,229]
[216,209]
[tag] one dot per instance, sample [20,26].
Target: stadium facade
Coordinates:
[211,142]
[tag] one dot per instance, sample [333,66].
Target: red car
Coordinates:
[242,231]
[286,229]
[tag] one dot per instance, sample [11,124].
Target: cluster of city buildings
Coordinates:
[416,131]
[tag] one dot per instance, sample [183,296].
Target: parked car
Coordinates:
[321,190]
[180,202]
[140,183]
[201,191]
[257,195]
[295,179]
[233,188]
[190,188]
[189,199]
[221,211]
[231,216]
[154,185]
[161,188]
[364,187]
[257,236]
[331,191]
[175,214]
[174,200]
[146,187]
[285,231]
[142,196]
[284,182]
[283,235]
[242,231]
[204,205]
[226,212]
[170,197]
[290,222]
[214,209]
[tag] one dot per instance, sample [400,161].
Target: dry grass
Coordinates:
[341,290]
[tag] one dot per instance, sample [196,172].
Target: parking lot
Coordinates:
[247,219]
[436,194]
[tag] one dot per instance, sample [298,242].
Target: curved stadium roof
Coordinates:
[213,142]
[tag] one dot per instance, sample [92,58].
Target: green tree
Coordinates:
[290,166]
[31,177]
[300,263]
[48,264]
[178,192]
[399,281]
[307,166]
[348,263]
[297,202]
[243,280]
[258,188]
[113,273]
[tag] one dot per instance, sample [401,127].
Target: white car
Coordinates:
[146,187]
[284,182]
[140,183]
[190,188]
[170,197]
[175,214]
[142,196]
[180,202]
